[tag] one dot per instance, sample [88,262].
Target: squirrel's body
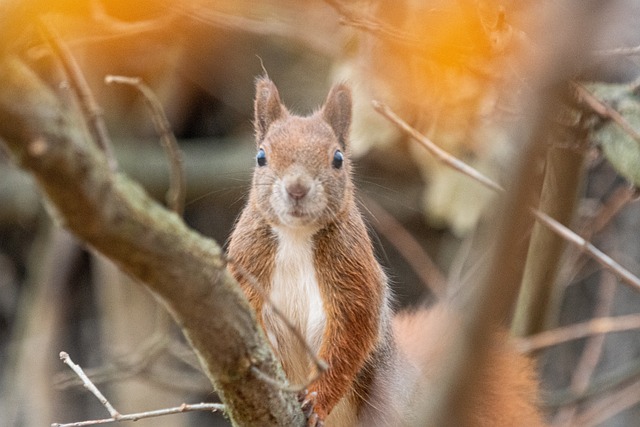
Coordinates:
[302,240]
[301,217]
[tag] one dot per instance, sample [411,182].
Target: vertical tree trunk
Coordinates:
[560,189]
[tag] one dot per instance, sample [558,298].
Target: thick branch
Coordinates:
[117,218]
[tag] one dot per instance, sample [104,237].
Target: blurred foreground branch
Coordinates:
[493,294]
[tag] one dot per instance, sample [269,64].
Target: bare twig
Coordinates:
[115,415]
[609,406]
[576,331]
[592,351]
[409,248]
[619,51]
[604,384]
[185,407]
[619,199]
[593,348]
[177,186]
[89,385]
[372,26]
[295,388]
[122,368]
[261,27]
[436,151]
[604,110]
[90,109]
[600,257]
[607,262]
[109,28]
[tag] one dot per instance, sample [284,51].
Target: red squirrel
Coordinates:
[302,239]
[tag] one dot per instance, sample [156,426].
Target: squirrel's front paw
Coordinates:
[308,402]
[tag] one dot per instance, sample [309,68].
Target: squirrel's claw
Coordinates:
[308,401]
[315,421]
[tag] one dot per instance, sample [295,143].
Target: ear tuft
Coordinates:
[267,107]
[337,112]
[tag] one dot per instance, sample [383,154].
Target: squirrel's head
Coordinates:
[302,175]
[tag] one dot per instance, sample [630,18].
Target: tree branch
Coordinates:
[117,218]
[90,109]
[597,326]
[177,184]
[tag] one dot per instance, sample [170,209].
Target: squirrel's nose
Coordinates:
[297,190]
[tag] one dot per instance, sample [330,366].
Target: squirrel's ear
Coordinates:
[267,108]
[337,112]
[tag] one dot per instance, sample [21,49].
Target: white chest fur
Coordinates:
[295,292]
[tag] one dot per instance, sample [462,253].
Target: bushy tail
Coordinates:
[506,396]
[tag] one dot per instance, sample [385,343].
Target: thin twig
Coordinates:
[610,406]
[604,110]
[296,388]
[320,364]
[261,27]
[620,197]
[122,368]
[591,353]
[593,349]
[89,385]
[618,200]
[607,262]
[419,260]
[177,185]
[185,407]
[619,51]
[109,29]
[436,151]
[115,415]
[90,109]
[604,384]
[576,331]
[374,27]
[585,246]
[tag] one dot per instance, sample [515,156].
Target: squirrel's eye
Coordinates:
[338,159]
[261,157]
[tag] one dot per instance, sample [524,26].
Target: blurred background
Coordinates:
[457,71]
